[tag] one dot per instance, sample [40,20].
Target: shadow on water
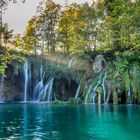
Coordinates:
[45,121]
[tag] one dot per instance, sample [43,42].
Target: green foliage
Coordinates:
[136,79]
[6,34]
[7,56]
[127,80]
[121,65]
[115,98]
[107,27]
[2,68]
[110,28]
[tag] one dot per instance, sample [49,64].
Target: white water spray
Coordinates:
[49,98]
[39,86]
[89,90]
[25,81]
[70,63]
[46,92]
[77,91]
[95,88]
[129,96]
[103,85]
[2,87]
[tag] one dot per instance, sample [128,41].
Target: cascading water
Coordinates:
[129,96]
[70,63]
[25,80]
[95,88]
[39,86]
[43,93]
[41,71]
[49,98]
[2,87]
[103,85]
[77,91]
[89,90]
[46,92]
[2,84]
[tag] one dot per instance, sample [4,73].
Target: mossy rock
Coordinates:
[58,102]
[73,101]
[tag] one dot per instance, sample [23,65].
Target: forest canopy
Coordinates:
[108,27]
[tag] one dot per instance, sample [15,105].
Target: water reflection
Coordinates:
[25,124]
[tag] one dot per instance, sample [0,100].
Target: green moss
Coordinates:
[73,101]
[115,98]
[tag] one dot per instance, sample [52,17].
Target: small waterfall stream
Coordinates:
[2,87]
[39,86]
[2,84]
[77,91]
[26,80]
[49,98]
[42,94]
[129,95]
[103,86]
[89,90]
[70,63]
[46,92]
[95,88]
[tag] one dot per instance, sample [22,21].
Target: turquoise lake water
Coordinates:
[82,122]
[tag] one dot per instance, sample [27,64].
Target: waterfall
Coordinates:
[103,85]
[77,91]
[2,84]
[95,88]
[2,87]
[46,92]
[41,71]
[39,86]
[70,63]
[43,93]
[25,81]
[129,95]
[89,90]
[49,98]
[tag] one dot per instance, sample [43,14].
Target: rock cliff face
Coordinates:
[13,85]
[94,80]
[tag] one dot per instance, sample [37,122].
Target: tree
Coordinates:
[5,56]
[30,36]
[76,28]
[7,34]
[119,29]
[48,19]
[3,6]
